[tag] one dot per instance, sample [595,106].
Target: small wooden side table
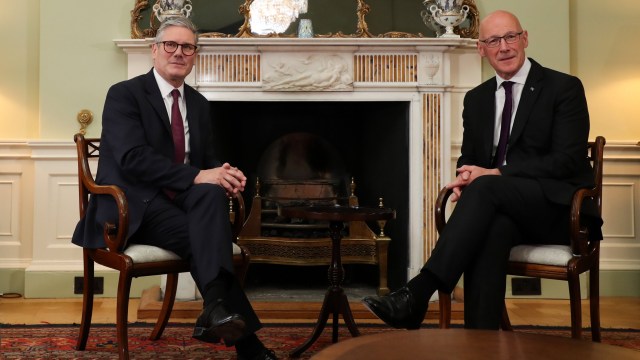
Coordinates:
[335,301]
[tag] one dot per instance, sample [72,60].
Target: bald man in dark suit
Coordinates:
[516,194]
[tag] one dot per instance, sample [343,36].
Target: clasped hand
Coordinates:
[466,175]
[227,176]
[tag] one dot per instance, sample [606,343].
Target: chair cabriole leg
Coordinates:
[122,312]
[87,301]
[444,301]
[594,302]
[576,306]
[167,305]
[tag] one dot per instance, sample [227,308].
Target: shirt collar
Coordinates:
[165,87]
[520,77]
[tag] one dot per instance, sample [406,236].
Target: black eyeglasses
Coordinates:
[172,46]
[509,38]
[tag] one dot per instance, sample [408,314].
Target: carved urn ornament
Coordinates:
[428,19]
[448,13]
[164,9]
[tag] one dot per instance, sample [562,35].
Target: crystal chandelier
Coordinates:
[275,16]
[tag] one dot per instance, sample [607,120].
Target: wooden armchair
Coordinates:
[554,261]
[132,260]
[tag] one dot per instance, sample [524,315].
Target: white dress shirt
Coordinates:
[165,90]
[518,79]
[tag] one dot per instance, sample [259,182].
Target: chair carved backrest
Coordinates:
[580,243]
[89,148]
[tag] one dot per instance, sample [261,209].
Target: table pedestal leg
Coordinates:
[335,301]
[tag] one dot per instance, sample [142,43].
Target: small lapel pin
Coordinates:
[531,88]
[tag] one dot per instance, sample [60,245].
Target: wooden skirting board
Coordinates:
[150,305]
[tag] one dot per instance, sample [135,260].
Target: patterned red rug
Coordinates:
[58,341]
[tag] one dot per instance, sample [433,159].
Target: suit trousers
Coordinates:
[493,214]
[195,225]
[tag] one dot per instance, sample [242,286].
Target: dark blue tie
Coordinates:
[505,127]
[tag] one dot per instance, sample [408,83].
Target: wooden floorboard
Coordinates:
[616,312]
[150,305]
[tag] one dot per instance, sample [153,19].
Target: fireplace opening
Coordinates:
[297,169]
[369,140]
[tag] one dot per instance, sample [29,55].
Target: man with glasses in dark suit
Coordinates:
[156,145]
[523,155]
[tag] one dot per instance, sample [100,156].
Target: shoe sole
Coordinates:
[382,317]
[200,333]
[229,331]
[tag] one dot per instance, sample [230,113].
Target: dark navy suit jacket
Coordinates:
[136,153]
[548,138]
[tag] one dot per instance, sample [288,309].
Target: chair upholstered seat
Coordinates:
[148,253]
[556,255]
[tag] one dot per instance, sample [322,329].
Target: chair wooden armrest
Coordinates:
[114,234]
[441,208]
[579,236]
[238,215]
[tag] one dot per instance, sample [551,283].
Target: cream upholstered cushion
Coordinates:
[148,253]
[236,249]
[558,255]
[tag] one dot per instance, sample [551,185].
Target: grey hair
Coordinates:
[176,21]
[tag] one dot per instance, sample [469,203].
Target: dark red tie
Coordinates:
[177,128]
[505,127]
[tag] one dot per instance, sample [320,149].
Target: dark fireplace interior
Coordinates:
[371,138]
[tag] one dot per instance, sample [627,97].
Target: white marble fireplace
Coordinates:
[430,74]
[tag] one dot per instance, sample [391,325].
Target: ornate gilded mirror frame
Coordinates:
[474,21]
[245,30]
[136,16]
[362,28]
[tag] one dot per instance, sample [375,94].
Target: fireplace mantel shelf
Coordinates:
[314,42]
[319,64]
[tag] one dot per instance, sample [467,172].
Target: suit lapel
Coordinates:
[532,88]
[488,115]
[155,99]
[192,119]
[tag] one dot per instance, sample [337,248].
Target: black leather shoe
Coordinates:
[398,309]
[265,354]
[215,323]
